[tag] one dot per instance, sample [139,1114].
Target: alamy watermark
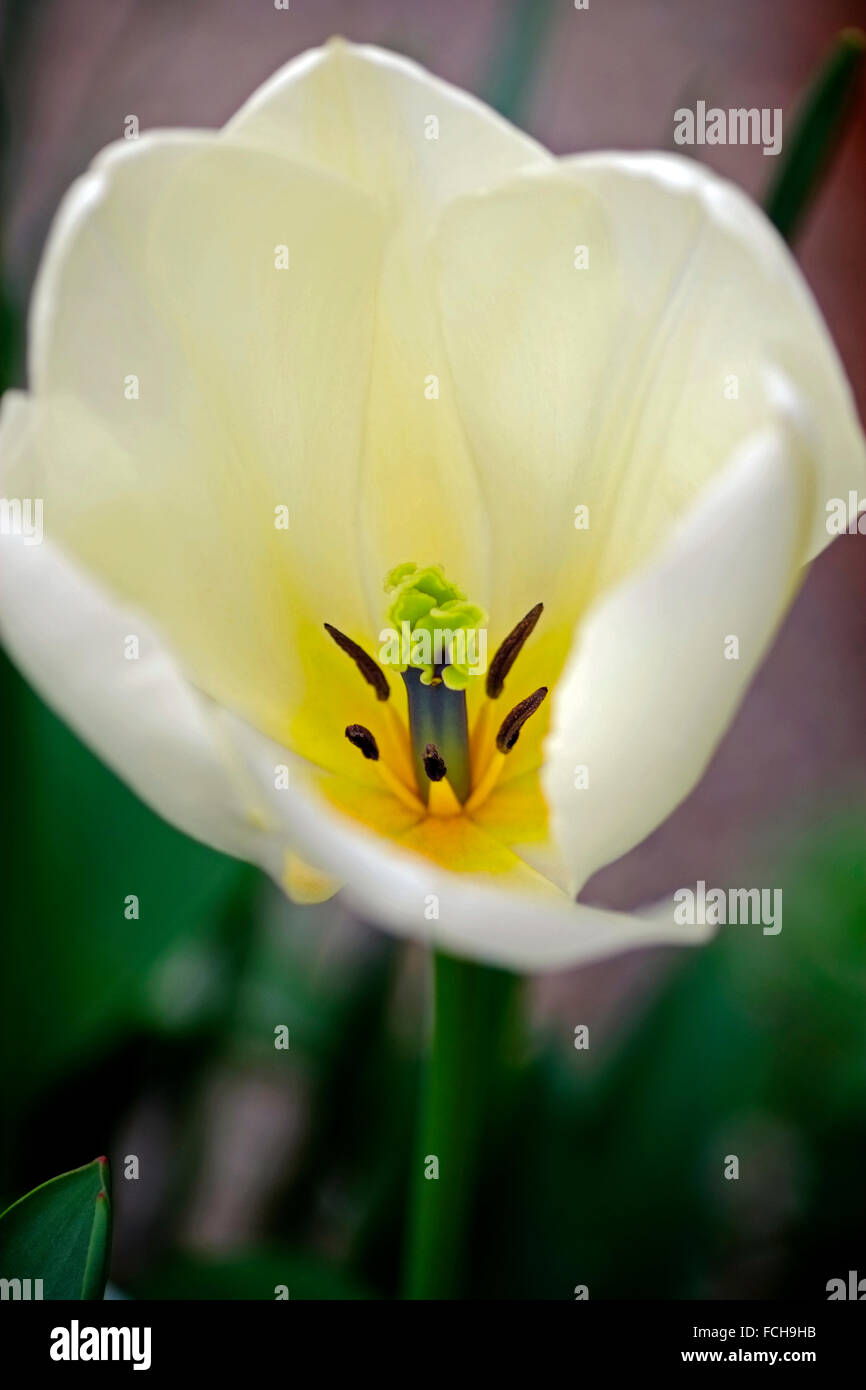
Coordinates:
[719,907]
[77,1343]
[852,1288]
[739,125]
[846,518]
[22,1290]
[22,516]
[464,647]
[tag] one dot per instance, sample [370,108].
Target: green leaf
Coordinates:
[523,33]
[10,340]
[61,1233]
[818,129]
[76,973]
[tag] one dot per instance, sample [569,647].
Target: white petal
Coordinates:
[624,384]
[252,386]
[365,114]
[647,691]
[761,306]
[478,918]
[70,638]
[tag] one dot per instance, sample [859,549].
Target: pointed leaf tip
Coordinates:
[60,1234]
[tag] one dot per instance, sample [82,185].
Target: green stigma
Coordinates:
[435,630]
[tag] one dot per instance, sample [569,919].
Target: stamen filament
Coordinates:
[481,739]
[397,752]
[483,789]
[508,735]
[400,790]
[361,738]
[442,800]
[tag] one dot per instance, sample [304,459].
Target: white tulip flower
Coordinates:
[369,332]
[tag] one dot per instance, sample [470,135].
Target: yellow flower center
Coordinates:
[436,765]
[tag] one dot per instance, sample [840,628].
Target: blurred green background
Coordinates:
[155,1037]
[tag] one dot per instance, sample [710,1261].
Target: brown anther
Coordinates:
[508,652]
[509,731]
[372,673]
[434,763]
[361,738]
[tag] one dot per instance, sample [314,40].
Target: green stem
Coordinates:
[476,1010]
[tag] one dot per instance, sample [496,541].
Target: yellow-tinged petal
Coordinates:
[509,918]
[373,306]
[614,326]
[660,664]
[364,114]
[463,846]
[70,637]
[412,142]
[304,884]
[368,802]
[201,390]
[515,811]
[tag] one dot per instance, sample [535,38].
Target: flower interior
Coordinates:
[438,759]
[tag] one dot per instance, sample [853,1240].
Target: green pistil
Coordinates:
[447,634]
[437,716]
[446,649]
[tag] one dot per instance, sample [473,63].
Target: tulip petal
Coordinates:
[446,398]
[654,679]
[365,115]
[508,918]
[251,385]
[72,640]
[613,328]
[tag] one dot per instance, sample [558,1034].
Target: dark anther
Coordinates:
[509,731]
[361,738]
[434,763]
[509,650]
[365,664]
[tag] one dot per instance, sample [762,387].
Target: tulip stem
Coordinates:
[476,1011]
